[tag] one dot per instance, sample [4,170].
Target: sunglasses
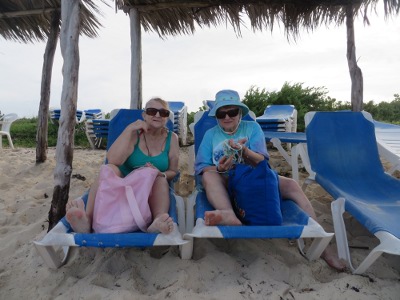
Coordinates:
[231,113]
[153,111]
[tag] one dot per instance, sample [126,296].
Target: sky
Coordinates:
[192,68]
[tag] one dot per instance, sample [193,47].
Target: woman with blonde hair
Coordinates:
[147,143]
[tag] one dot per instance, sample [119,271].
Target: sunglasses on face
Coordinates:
[153,111]
[231,113]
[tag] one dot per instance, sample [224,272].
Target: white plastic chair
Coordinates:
[5,125]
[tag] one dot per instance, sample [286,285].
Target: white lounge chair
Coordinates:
[5,126]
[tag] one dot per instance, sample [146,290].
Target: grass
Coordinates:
[23,134]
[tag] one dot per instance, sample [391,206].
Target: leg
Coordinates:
[290,189]
[159,206]
[79,218]
[217,194]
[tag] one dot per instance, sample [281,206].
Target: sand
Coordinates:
[220,269]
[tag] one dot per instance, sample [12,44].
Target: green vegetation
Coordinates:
[23,134]
[307,99]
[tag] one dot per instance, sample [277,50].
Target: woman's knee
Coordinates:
[160,184]
[115,169]
[288,186]
[211,178]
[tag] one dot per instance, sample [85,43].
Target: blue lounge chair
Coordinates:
[209,104]
[54,247]
[296,223]
[344,155]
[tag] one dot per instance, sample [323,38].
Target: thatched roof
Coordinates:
[30,20]
[173,17]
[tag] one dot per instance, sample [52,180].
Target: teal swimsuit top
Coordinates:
[138,159]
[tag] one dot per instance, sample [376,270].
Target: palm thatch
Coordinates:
[30,20]
[173,17]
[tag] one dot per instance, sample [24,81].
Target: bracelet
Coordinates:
[165,175]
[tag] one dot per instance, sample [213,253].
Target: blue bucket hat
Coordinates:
[225,98]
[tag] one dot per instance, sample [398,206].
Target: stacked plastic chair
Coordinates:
[55,114]
[96,113]
[96,131]
[96,127]
[179,110]
[282,118]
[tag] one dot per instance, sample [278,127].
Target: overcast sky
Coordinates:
[193,68]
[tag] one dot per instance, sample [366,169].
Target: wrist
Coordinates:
[245,152]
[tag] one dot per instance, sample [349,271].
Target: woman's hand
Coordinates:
[138,125]
[238,145]
[225,164]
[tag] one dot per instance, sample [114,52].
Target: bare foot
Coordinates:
[331,258]
[221,217]
[162,223]
[76,216]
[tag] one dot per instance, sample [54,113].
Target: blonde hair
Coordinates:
[159,100]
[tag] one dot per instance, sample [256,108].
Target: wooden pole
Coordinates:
[43,115]
[355,72]
[136,60]
[69,39]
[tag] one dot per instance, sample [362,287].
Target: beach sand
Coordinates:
[220,269]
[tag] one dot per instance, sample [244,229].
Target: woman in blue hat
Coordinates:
[233,141]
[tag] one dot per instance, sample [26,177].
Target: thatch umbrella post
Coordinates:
[69,39]
[355,71]
[48,59]
[136,59]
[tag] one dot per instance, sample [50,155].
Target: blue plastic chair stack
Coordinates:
[343,153]
[91,114]
[96,131]
[296,223]
[179,110]
[55,246]
[279,118]
[55,115]
[96,127]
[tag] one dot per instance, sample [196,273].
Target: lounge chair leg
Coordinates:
[338,208]
[317,247]
[187,249]
[50,256]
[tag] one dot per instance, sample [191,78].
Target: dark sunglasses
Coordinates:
[231,113]
[153,111]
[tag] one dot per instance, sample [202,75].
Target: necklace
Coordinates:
[147,147]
